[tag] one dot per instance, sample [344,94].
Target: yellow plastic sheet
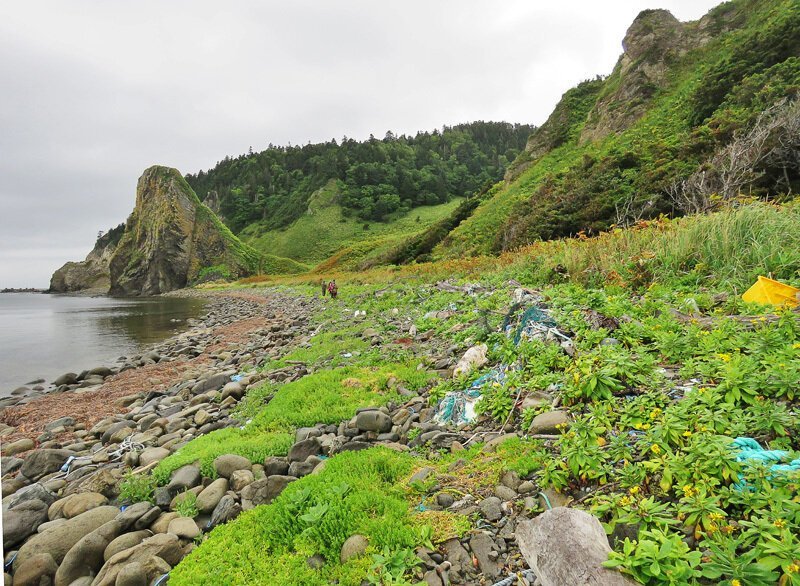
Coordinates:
[772,292]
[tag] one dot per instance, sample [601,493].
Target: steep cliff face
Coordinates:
[171,238]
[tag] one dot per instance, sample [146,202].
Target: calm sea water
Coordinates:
[43,336]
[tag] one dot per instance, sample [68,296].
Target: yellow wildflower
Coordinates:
[655,448]
[796,346]
[735,582]
[625,501]
[655,413]
[793,569]
[724,357]
[601,441]
[634,490]
[687,433]
[780,523]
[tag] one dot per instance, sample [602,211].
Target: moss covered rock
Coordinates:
[170,238]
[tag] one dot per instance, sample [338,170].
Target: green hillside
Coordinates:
[325,229]
[634,144]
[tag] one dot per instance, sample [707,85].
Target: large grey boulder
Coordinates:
[85,558]
[550,422]
[300,451]
[125,541]
[60,539]
[567,546]
[22,521]
[43,462]
[373,420]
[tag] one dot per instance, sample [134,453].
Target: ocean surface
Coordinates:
[44,336]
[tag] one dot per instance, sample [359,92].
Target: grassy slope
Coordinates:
[665,143]
[323,232]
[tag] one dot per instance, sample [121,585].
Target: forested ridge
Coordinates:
[381,176]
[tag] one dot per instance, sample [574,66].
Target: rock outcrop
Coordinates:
[171,237]
[92,273]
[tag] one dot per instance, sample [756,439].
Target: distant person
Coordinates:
[324,287]
[333,289]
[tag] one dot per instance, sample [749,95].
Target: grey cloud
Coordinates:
[94,92]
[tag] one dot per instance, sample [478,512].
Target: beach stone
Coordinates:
[68,378]
[161,525]
[165,547]
[444,499]
[504,493]
[300,451]
[354,546]
[22,520]
[232,389]
[227,510]
[43,462]
[211,495]
[154,454]
[213,382]
[373,420]
[262,492]
[83,559]
[82,502]
[118,430]
[491,509]
[275,466]
[551,422]
[38,570]
[240,479]
[184,478]
[184,527]
[482,546]
[567,546]
[62,422]
[226,464]
[201,417]
[134,574]
[125,541]
[19,446]
[59,540]
[132,513]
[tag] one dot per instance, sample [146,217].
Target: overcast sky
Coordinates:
[95,92]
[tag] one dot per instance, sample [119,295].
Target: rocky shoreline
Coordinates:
[73,443]
[66,453]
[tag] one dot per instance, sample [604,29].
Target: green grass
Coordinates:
[357,493]
[324,231]
[329,396]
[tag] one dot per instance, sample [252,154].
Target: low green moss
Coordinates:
[356,493]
